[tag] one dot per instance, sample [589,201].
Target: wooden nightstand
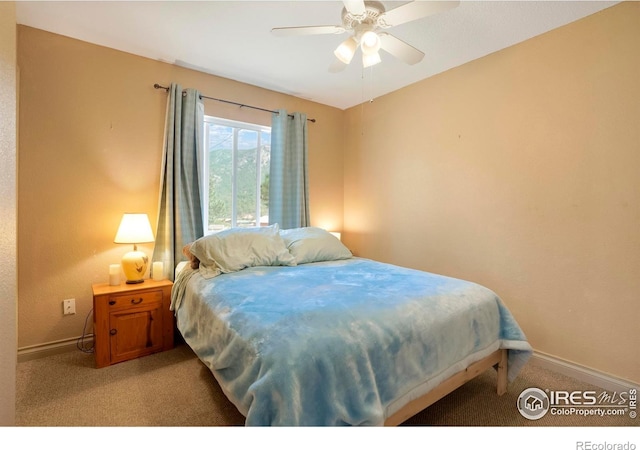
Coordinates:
[131,320]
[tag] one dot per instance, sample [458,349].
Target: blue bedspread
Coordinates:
[338,343]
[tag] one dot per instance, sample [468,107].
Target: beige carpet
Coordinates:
[174,389]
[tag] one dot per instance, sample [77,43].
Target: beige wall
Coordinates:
[520,171]
[8,214]
[91,130]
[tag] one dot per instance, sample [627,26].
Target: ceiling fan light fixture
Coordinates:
[346,50]
[365,20]
[370,42]
[371,59]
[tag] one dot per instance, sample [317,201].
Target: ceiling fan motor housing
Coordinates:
[368,20]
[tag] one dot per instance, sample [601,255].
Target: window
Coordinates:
[236,174]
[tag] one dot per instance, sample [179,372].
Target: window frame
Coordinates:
[204,159]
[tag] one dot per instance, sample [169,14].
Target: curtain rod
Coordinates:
[157,86]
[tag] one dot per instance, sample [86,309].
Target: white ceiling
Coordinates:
[232,39]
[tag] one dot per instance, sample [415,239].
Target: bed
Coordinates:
[299,332]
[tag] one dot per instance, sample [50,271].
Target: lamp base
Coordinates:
[134,266]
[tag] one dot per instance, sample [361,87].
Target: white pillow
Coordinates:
[311,244]
[238,248]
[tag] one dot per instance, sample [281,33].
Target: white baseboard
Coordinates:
[53,348]
[584,374]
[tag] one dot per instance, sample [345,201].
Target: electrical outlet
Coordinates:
[69,306]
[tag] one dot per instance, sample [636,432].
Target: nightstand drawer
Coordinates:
[134,299]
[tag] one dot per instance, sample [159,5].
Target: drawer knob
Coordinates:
[136,301]
[112,302]
[113,332]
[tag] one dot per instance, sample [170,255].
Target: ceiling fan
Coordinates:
[366,20]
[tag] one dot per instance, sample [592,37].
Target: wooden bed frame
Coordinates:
[497,359]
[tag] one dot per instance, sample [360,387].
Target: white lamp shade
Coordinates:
[370,59]
[134,229]
[370,43]
[346,50]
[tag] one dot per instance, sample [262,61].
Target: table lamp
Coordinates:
[134,229]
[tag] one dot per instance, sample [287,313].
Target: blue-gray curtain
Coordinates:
[288,179]
[180,205]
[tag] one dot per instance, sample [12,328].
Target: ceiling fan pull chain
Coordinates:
[371,86]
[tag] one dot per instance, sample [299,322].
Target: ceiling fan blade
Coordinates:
[305,31]
[400,49]
[337,66]
[414,11]
[355,7]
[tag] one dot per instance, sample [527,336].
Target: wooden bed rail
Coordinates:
[497,359]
